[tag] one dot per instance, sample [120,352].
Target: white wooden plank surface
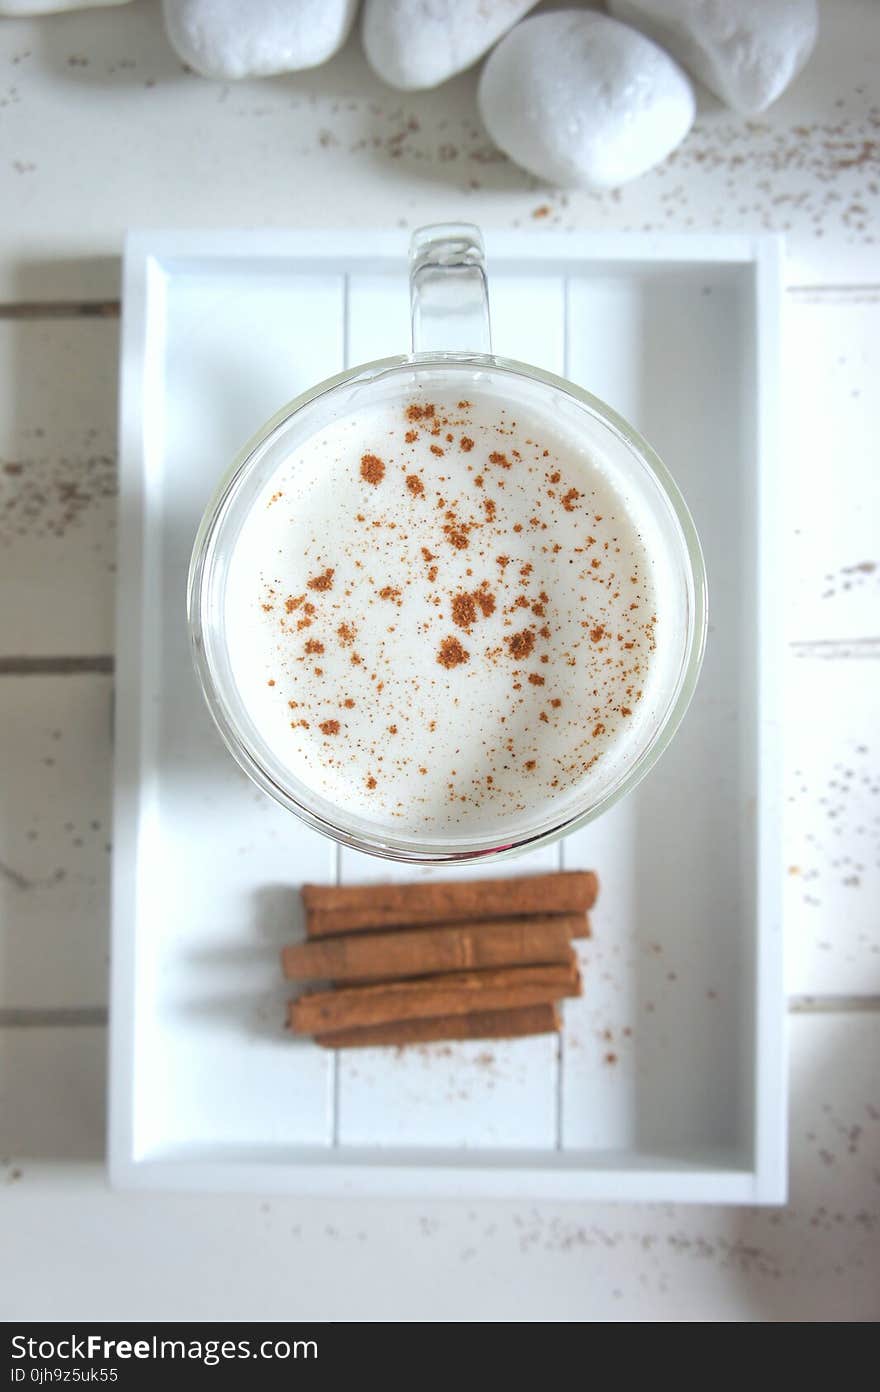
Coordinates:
[54,883]
[57,485]
[124,1256]
[99,116]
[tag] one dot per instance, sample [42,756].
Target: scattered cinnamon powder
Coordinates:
[372,468]
[625,710]
[417,413]
[371,782]
[597,633]
[346,633]
[389,592]
[464,610]
[489,508]
[466,444]
[569,499]
[322,582]
[411,436]
[496,457]
[438,450]
[314,646]
[521,644]
[535,679]
[456,535]
[415,485]
[348,703]
[451,653]
[290,603]
[485,599]
[530,764]
[598,729]
[329,727]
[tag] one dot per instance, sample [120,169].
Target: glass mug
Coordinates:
[451,345]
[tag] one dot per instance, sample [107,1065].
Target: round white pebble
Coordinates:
[226,39]
[745,51]
[577,98]
[414,44]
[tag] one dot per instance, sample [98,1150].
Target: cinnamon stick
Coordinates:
[459,993]
[423,951]
[333,909]
[480,1024]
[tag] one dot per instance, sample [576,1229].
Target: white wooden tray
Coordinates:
[669,1080]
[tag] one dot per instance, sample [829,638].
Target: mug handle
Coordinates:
[448,290]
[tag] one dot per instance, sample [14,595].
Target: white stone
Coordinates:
[413,44]
[745,51]
[578,98]
[228,39]
[13,8]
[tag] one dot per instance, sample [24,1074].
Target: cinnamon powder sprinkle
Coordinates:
[372,468]
[597,633]
[451,653]
[322,582]
[290,603]
[535,679]
[464,610]
[466,444]
[415,485]
[346,633]
[521,644]
[456,536]
[389,592]
[314,646]
[569,499]
[329,727]
[371,782]
[438,450]
[485,599]
[411,436]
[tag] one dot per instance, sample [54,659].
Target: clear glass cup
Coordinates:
[451,348]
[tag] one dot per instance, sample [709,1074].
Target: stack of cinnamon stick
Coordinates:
[413,963]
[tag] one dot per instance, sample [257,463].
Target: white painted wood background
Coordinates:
[100,128]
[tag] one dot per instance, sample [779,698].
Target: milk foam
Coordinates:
[441,616]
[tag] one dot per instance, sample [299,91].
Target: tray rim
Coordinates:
[149,254]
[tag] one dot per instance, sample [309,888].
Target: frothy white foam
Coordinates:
[441,616]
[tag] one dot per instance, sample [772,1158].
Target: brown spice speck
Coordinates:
[415,485]
[329,727]
[372,468]
[322,582]
[452,654]
[466,444]
[521,644]
[464,610]
[314,646]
